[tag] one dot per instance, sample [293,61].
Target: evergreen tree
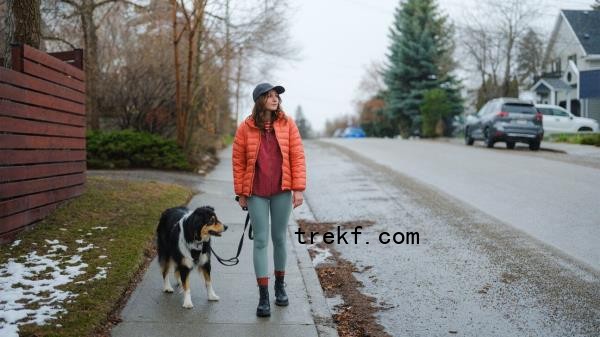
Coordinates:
[419,59]
[530,57]
[302,123]
[434,109]
[596,5]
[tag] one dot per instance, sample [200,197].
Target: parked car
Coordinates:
[353,132]
[558,119]
[508,120]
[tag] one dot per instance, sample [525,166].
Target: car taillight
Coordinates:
[502,114]
[539,117]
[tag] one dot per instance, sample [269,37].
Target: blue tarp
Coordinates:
[589,84]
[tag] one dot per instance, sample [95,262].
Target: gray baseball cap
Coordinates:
[264,88]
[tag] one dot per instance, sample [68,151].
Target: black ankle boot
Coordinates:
[264,308]
[281,297]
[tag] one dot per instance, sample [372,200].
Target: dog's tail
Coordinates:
[162,237]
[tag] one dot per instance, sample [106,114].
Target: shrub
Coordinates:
[577,138]
[132,149]
[434,108]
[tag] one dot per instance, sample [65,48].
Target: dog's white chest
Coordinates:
[203,259]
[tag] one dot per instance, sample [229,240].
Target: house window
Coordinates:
[556,66]
[573,58]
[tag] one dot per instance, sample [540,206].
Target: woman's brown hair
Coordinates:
[259,109]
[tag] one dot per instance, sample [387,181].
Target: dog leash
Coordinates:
[235,260]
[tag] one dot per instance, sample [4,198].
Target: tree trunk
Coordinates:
[28,22]
[507,72]
[90,39]
[178,111]
[9,26]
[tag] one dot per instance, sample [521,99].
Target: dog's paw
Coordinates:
[168,289]
[188,304]
[213,297]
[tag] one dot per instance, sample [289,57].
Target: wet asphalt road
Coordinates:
[472,274]
[553,201]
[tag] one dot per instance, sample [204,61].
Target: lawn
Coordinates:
[66,276]
[577,138]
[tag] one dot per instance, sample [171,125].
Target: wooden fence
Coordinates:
[42,135]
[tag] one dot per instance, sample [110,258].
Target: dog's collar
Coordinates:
[196,245]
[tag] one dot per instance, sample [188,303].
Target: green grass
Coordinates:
[130,211]
[576,138]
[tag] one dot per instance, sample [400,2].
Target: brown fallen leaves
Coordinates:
[355,317]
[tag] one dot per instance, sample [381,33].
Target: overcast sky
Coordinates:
[338,38]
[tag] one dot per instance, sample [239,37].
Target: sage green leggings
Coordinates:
[280,207]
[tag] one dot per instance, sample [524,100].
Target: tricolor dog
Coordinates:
[184,243]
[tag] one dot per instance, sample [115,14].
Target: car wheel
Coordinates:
[468,139]
[535,145]
[510,145]
[489,141]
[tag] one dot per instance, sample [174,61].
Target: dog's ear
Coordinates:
[202,214]
[212,209]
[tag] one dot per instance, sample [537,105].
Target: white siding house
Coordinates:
[572,64]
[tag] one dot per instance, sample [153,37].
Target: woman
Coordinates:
[269,176]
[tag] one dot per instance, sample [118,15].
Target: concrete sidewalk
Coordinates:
[150,312]
[572,149]
[589,151]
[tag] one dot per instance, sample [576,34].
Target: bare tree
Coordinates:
[180,71]
[8,31]
[515,16]
[490,39]
[23,24]
[86,11]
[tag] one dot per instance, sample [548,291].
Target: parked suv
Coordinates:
[508,120]
[558,119]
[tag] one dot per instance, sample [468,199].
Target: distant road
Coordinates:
[553,201]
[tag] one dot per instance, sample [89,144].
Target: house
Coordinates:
[572,64]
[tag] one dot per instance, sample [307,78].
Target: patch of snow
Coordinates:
[52,242]
[86,248]
[55,248]
[74,259]
[16,243]
[63,229]
[80,242]
[100,228]
[88,234]
[321,254]
[101,274]
[102,257]
[38,282]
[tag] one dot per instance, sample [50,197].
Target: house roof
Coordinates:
[585,24]
[544,83]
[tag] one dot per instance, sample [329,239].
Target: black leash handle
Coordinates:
[235,260]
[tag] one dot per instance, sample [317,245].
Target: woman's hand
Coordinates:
[243,201]
[297,198]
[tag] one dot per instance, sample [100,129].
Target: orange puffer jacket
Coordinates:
[245,153]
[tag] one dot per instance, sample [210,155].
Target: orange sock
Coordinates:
[279,273]
[263,281]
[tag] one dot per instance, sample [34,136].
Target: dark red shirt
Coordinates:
[267,176]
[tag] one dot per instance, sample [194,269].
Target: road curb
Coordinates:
[320,309]
[547,149]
